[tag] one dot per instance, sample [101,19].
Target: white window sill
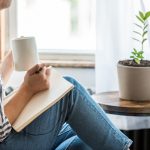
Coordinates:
[69,64]
[68,59]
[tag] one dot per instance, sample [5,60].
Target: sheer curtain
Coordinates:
[115,20]
[114,27]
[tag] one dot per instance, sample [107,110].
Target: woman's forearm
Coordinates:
[14,107]
[6,67]
[32,84]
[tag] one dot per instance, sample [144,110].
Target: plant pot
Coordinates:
[134,82]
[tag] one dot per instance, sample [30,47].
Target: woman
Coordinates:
[75,123]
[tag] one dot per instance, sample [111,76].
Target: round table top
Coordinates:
[111,103]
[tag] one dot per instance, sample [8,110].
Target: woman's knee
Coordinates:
[77,85]
[71,80]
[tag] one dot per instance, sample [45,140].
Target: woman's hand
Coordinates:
[37,79]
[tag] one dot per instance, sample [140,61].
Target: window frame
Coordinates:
[51,54]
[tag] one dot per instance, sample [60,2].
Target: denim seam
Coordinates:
[68,148]
[64,132]
[127,145]
[114,132]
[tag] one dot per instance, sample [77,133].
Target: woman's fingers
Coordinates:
[45,70]
[48,70]
[42,71]
[37,68]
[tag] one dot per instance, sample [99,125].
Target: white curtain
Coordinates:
[114,29]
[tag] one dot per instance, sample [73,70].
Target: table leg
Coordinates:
[141,139]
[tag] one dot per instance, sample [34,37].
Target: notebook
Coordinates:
[42,101]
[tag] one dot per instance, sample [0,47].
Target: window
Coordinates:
[58,25]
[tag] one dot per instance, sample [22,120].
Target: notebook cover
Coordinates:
[42,101]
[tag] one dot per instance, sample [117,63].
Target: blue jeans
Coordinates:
[88,129]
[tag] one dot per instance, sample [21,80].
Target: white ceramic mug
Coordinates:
[24,53]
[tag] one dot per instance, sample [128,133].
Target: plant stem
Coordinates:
[143,37]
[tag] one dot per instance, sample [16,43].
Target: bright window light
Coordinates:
[58,24]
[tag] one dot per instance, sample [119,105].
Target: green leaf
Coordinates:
[147,15]
[143,40]
[136,40]
[144,33]
[135,50]
[141,14]
[137,33]
[140,57]
[131,56]
[137,60]
[141,52]
[133,53]
[139,19]
[138,25]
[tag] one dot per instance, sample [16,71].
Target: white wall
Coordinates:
[86,76]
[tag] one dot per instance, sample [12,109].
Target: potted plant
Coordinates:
[134,73]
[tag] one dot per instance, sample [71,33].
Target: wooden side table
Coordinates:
[112,104]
